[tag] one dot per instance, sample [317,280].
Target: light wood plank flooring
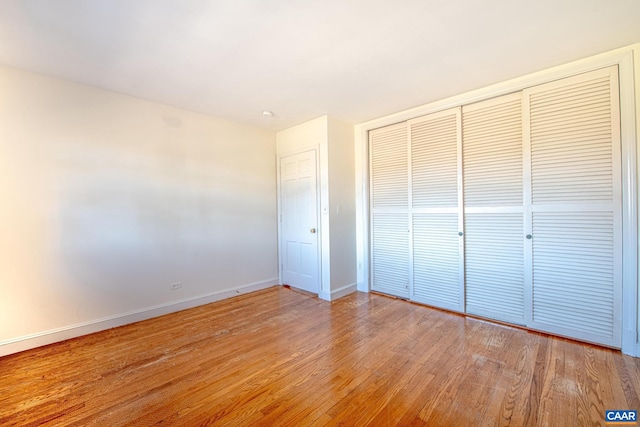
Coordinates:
[279,357]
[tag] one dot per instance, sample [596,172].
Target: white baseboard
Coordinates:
[27,342]
[338,293]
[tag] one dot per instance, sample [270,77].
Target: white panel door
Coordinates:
[436,210]
[389,169]
[493,208]
[574,231]
[299,221]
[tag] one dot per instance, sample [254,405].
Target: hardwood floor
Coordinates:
[279,357]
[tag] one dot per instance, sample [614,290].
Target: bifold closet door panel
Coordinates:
[436,261]
[390,253]
[574,290]
[493,204]
[573,134]
[389,221]
[436,210]
[494,266]
[389,168]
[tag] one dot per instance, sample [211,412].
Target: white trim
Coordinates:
[362,207]
[527,212]
[338,293]
[628,140]
[410,212]
[298,151]
[462,306]
[279,219]
[27,342]
[624,58]
[324,295]
[324,220]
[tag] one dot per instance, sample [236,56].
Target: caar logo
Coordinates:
[620,416]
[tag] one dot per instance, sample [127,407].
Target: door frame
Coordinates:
[627,59]
[282,155]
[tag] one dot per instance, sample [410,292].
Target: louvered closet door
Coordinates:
[574,219]
[436,209]
[493,208]
[389,169]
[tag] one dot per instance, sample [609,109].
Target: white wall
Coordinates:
[342,207]
[307,135]
[105,200]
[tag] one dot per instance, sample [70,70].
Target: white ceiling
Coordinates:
[352,59]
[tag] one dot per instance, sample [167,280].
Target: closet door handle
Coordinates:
[528,236]
[460,233]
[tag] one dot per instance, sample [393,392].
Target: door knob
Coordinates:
[528,236]
[313,230]
[460,233]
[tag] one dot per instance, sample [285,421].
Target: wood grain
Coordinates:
[280,357]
